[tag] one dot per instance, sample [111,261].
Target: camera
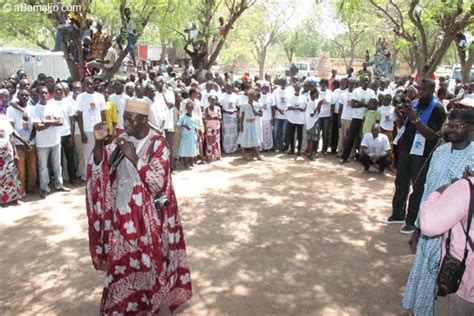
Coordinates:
[401,101]
[160,201]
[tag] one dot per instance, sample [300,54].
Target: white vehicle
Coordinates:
[456,75]
[305,69]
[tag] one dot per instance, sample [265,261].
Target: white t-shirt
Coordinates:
[160,102]
[266,101]
[345,99]
[363,96]
[130,26]
[50,136]
[282,100]
[24,128]
[6,130]
[120,101]
[202,88]
[375,146]
[68,105]
[336,99]
[156,115]
[326,106]
[205,97]
[243,100]
[90,104]
[310,107]
[297,117]
[229,103]
[111,57]
[386,117]
[385,92]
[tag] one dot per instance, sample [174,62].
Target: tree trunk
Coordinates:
[262,57]
[394,63]
[163,52]
[466,62]
[117,65]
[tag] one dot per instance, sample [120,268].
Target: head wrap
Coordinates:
[414,88]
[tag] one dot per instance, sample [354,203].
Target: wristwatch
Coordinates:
[416,121]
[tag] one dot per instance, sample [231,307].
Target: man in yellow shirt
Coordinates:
[111,116]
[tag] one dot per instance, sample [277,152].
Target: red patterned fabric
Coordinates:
[141,250]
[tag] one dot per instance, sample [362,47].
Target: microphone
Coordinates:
[117,155]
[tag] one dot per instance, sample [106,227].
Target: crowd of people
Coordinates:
[350,117]
[48,124]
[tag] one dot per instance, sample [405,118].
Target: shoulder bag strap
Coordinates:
[470,215]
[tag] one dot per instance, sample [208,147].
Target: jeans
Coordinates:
[69,150]
[334,132]
[325,126]
[26,166]
[170,139]
[55,154]
[291,136]
[352,134]
[279,133]
[383,162]
[63,32]
[131,41]
[411,170]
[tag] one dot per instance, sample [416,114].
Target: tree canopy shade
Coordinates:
[429,27]
[249,33]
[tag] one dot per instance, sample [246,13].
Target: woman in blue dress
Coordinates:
[189,125]
[248,125]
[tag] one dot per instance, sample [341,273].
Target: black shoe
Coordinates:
[392,220]
[43,194]
[408,229]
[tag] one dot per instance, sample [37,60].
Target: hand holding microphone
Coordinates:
[125,148]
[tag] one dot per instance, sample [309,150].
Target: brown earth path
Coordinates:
[278,237]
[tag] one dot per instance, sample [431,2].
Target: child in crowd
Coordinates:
[248,125]
[189,135]
[371,116]
[311,124]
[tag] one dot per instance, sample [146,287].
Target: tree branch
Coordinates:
[416,20]
[398,26]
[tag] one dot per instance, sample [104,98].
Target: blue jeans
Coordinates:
[67,30]
[131,41]
[43,154]
[279,133]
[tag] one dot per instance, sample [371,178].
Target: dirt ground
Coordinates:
[276,237]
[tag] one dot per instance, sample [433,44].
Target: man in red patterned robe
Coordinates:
[141,248]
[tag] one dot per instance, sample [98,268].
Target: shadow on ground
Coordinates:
[272,237]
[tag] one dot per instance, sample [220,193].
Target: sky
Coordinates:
[328,25]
